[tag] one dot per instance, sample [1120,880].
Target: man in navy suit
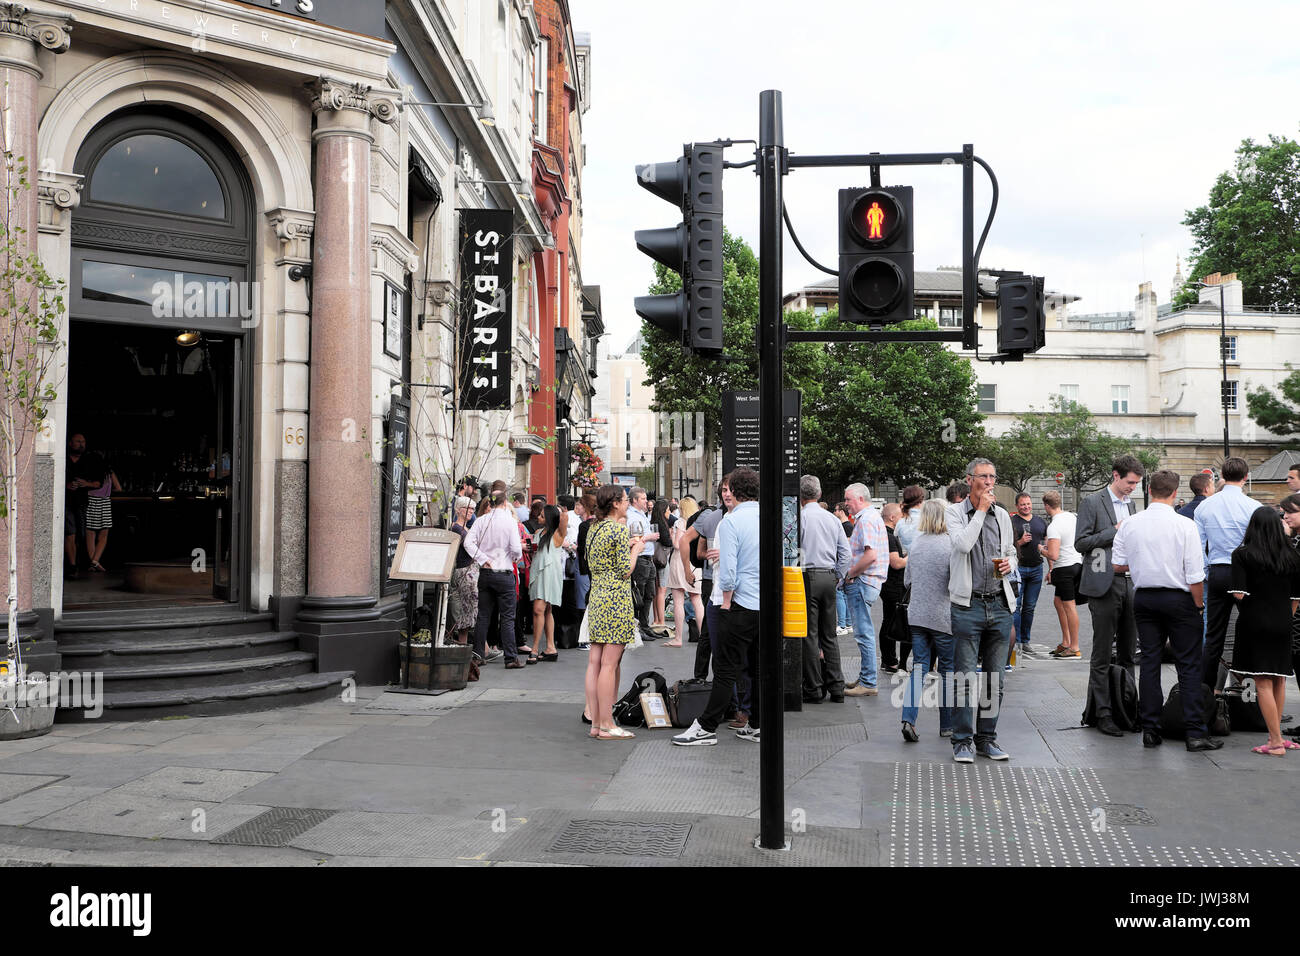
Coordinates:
[1110,594]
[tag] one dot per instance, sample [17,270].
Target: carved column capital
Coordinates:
[22,30]
[58,194]
[294,228]
[344,108]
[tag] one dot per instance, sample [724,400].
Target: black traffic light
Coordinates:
[876,261]
[692,248]
[1022,318]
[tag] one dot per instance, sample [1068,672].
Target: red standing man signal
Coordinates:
[875,222]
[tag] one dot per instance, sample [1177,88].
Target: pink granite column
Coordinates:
[22,33]
[340,485]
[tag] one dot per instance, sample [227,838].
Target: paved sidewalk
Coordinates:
[503,773]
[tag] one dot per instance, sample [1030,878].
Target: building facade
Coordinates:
[263,214]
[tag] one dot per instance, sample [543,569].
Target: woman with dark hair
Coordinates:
[1290,506]
[546,580]
[909,526]
[611,624]
[582,580]
[1266,584]
[659,522]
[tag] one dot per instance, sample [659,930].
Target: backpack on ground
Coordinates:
[1123,701]
[627,709]
[1214,711]
[687,701]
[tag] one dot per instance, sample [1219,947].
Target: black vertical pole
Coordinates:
[771,143]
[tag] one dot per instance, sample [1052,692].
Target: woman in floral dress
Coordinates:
[611,624]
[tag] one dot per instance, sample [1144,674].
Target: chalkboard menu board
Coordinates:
[740,428]
[395,479]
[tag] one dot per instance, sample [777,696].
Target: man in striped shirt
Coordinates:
[870,546]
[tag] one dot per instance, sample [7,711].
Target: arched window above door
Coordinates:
[161,182]
[158,172]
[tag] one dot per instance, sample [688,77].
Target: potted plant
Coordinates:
[431,667]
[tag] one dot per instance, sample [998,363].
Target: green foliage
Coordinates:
[1024,453]
[900,412]
[1280,414]
[686,383]
[1084,452]
[1250,225]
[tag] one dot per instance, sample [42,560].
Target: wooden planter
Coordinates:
[450,666]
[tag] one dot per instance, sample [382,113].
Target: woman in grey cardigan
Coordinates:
[928,614]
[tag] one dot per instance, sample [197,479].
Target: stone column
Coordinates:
[338,618]
[22,34]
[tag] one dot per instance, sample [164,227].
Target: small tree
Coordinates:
[1024,453]
[31,303]
[1280,414]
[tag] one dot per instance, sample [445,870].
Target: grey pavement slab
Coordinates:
[132,814]
[438,836]
[347,785]
[29,807]
[15,784]
[193,783]
[14,748]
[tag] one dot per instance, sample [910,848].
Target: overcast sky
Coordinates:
[1103,123]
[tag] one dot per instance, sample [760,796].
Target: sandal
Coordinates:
[96,566]
[614,733]
[550,658]
[672,643]
[1266,751]
[1290,745]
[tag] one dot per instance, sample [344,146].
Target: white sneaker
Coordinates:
[749,732]
[696,736]
[843,631]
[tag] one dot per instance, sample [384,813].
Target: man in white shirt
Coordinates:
[1161,550]
[493,542]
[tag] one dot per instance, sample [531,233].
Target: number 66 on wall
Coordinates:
[294,435]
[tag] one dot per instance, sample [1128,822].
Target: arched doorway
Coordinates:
[161,316]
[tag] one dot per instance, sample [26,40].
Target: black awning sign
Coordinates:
[484,339]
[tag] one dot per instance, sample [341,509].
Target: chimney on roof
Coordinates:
[1144,308]
[1232,295]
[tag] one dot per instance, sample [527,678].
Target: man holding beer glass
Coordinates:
[979,586]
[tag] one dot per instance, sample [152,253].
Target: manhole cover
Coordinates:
[1127,815]
[275,827]
[627,839]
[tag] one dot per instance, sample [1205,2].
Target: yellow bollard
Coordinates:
[794,604]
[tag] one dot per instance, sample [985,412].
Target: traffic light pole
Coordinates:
[771,690]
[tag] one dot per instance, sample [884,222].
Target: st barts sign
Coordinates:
[485,335]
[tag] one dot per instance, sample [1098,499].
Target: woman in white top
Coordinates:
[1067,569]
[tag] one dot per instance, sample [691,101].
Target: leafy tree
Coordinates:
[686,383]
[1084,451]
[1279,414]
[1250,225]
[1024,453]
[901,412]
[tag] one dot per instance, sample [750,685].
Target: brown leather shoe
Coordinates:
[516,664]
[740,720]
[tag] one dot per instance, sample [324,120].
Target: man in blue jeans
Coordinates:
[869,544]
[979,587]
[1030,530]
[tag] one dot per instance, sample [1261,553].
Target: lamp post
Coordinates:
[1223,361]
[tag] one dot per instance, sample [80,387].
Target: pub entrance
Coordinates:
[162,315]
[158,410]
